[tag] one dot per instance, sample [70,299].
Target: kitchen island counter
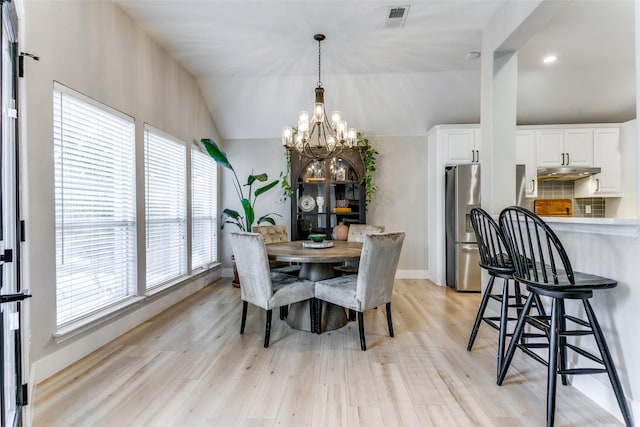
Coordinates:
[601,226]
[609,247]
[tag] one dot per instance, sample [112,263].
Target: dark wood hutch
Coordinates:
[326,192]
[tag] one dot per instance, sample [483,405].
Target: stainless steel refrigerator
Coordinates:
[462,193]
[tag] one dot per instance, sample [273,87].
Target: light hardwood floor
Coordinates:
[190,367]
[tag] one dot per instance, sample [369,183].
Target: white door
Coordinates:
[12,397]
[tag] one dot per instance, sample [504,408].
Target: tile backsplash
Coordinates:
[565,190]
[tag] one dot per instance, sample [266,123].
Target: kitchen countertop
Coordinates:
[607,226]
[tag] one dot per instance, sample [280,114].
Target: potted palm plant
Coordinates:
[245,220]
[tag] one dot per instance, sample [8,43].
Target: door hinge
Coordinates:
[22,231]
[23,395]
[7,255]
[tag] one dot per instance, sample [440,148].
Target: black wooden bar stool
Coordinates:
[495,259]
[542,264]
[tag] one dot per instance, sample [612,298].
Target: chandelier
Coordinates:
[319,137]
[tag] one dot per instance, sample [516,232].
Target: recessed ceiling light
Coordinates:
[472,55]
[549,59]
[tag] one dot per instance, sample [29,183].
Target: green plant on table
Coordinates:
[230,216]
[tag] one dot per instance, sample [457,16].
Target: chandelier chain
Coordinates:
[319,79]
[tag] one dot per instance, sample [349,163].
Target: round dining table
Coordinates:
[316,264]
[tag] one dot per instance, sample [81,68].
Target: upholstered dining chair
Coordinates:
[260,286]
[276,234]
[372,286]
[356,234]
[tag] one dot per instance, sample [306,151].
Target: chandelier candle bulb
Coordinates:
[319,112]
[335,118]
[287,136]
[352,137]
[342,130]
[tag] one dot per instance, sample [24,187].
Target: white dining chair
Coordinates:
[356,234]
[372,286]
[260,286]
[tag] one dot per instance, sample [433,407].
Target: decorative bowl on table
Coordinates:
[317,237]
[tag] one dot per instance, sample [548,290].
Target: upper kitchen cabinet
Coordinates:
[463,145]
[607,155]
[526,155]
[565,147]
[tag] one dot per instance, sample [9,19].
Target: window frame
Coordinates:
[162,137]
[127,223]
[212,215]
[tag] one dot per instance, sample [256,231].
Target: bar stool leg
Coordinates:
[552,377]
[608,363]
[502,332]
[562,345]
[481,309]
[517,334]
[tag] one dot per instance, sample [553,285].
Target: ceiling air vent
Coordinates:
[396,16]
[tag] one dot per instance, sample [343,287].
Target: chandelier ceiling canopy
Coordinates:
[319,136]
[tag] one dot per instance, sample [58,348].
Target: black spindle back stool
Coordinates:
[495,260]
[542,264]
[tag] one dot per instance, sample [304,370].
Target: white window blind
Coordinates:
[94,148]
[203,208]
[166,207]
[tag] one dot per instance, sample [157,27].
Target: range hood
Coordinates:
[565,173]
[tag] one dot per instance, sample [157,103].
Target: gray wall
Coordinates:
[96,49]
[400,203]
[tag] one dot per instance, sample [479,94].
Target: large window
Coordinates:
[166,207]
[95,205]
[204,210]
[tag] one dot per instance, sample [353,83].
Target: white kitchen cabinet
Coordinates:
[607,156]
[463,145]
[526,155]
[565,147]
[578,147]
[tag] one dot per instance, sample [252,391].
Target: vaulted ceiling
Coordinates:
[257,62]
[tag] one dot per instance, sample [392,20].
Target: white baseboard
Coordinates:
[603,396]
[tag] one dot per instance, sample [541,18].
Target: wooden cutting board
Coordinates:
[553,207]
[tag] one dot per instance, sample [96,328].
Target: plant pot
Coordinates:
[236,278]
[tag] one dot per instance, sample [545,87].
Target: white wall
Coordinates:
[247,156]
[625,206]
[400,204]
[96,49]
